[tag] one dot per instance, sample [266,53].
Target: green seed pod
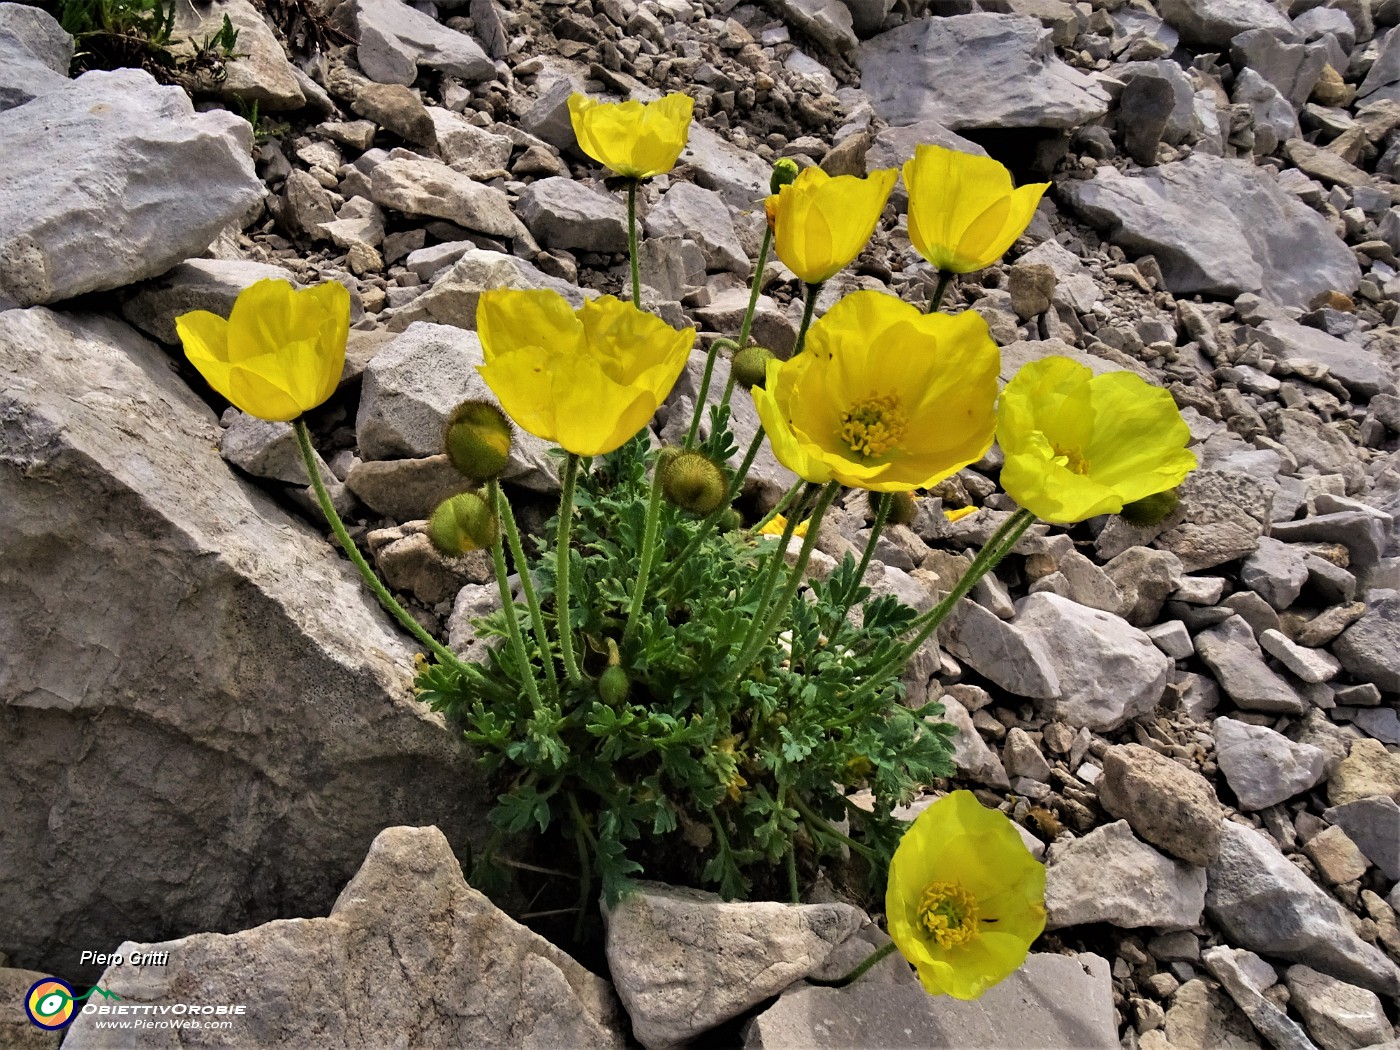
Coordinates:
[477,437]
[902,508]
[750,366]
[1153,510]
[729,521]
[784,173]
[463,523]
[613,685]
[692,482]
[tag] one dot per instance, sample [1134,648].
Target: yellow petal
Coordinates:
[520,380]
[633,139]
[513,319]
[205,338]
[822,223]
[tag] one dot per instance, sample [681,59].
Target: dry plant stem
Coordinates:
[883,952]
[517,552]
[632,243]
[790,862]
[780,609]
[561,579]
[397,611]
[639,588]
[517,641]
[945,277]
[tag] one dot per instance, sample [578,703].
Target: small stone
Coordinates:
[1246,976]
[1022,758]
[1032,287]
[1336,856]
[409,562]
[1368,770]
[562,213]
[1109,876]
[1339,1016]
[1264,767]
[1368,648]
[1172,638]
[1231,652]
[1167,804]
[1276,572]
[1311,665]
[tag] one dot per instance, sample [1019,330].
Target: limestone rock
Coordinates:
[119,138]
[16,1033]
[1220,227]
[1109,876]
[196,284]
[1172,807]
[1263,767]
[406,489]
[671,955]
[1374,825]
[976,71]
[1214,23]
[35,54]
[562,213]
[1368,770]
[419,186]
[258,72]
[409,955]
[1051,1001]
[267,449]
[1368,647]
[1263,903]
[692,211]
[1223,514]
[279,736]
[412,386]
[1339,1016]
[828,22]
[1230,650]
[1246,976]
[396,39]
[453,297]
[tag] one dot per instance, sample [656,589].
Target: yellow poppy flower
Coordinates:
[281,351]
[884,398]
[633,139]
[963,212]
[820,223]
[965,898]
[588,379]
[1078,445]
[958,513]
[778,523]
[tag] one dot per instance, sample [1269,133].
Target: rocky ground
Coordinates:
[206,720]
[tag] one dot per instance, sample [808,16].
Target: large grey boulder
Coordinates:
[1264,903]
[410,955]
[976,71]
[828,22]
[1264,767]
[417,186]
[396,39]
[35,54]
[672,953]
[1219,227]
[205,716]
[1214,23]
[147,183]
[1361,370]
[562,213]
[1052,1001]
[691,211]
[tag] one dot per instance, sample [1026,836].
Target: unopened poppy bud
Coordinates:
[729,521]
[667,455]
[613,685]
[902,508]
[750,366]
[692,482]
[478,437]
[1151,511]
[784,174]
[463,523]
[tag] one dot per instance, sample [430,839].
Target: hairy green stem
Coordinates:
[757,284]
[562,618]
[532,601]
[737,481]
[517,641]
[770,621]
[632,243]
[639,588]
[808,308]
[704,389]
[778,508]
[822,826]
[308,455]
[945,277]
[883,952]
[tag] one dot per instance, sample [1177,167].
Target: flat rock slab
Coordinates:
[163,179]
[685,961]
[976,71]
[396,39]
[35,54]
[202,730]
[409,956]
[1110,876]
[1052,1001]
[1218,227]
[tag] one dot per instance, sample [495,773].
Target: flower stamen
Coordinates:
[949,913]
[873,425]
[1072,460]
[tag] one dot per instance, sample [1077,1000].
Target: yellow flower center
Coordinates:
[1071,459]
[949,913]
[873,425]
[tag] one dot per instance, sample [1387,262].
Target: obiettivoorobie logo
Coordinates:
[49,1003]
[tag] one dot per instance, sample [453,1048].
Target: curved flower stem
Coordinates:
[397,611]
[755,639]
[517,641]
[632,243]
[808,308]
[882,502]
[945,277]
[883,952]
[778,508]
[561,580]
[736,483]
[639,588]
[822,826]
[517,553]
[728,390]
[704,389]
[757,284]
[996,548]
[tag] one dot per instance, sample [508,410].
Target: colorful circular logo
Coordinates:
[49,1003]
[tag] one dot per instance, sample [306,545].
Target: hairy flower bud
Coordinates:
[462,523]
[902,508]
[1153,510]
[477,437]
[613,685]
[691,481]
[750,366]
[784,174]
[729,521]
